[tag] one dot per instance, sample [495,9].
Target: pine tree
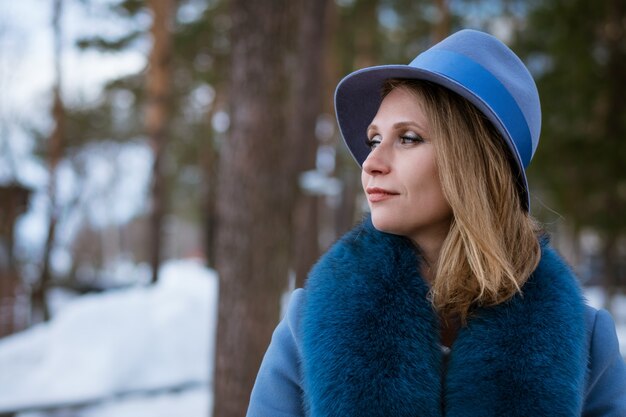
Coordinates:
[253,199]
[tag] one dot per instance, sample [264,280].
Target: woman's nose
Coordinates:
[377,162]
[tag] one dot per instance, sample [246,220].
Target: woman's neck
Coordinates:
[449,329]
[429,249]
[430,240]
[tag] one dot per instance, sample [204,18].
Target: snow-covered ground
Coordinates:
[135,352]
[189,403]
[144,351]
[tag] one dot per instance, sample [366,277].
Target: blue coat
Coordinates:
[356,342]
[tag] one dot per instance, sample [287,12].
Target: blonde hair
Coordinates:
[492,246]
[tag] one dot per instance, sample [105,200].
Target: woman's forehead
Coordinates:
[400,106]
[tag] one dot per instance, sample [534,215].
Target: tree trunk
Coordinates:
[13,202]
[344,218]
[615,130]
[611,281]
[8,287]
[209,159]
[367,38]
[157,118]
[254,200]
[441,29]
[307,106]
[39,303]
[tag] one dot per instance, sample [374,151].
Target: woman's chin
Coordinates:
[384,224]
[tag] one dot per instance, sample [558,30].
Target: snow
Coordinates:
[100,347]
[192,403]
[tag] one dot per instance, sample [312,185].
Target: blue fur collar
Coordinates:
[370,340]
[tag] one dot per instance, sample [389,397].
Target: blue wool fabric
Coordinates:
[362,340]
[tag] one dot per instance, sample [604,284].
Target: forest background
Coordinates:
[170,129]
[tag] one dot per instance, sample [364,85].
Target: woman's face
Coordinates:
[400,177]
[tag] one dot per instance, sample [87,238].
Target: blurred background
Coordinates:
[148,146]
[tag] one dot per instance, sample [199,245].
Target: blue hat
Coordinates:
[473,64]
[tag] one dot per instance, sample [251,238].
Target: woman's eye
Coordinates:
[412,138]
[373,142]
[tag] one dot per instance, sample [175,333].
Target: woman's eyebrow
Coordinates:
[396,125]
[405,124]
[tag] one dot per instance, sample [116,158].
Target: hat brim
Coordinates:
[358,97]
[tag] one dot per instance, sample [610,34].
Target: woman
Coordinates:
[447,300]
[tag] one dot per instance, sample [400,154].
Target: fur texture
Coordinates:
[370,340]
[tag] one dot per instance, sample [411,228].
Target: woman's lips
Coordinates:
[375,194]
